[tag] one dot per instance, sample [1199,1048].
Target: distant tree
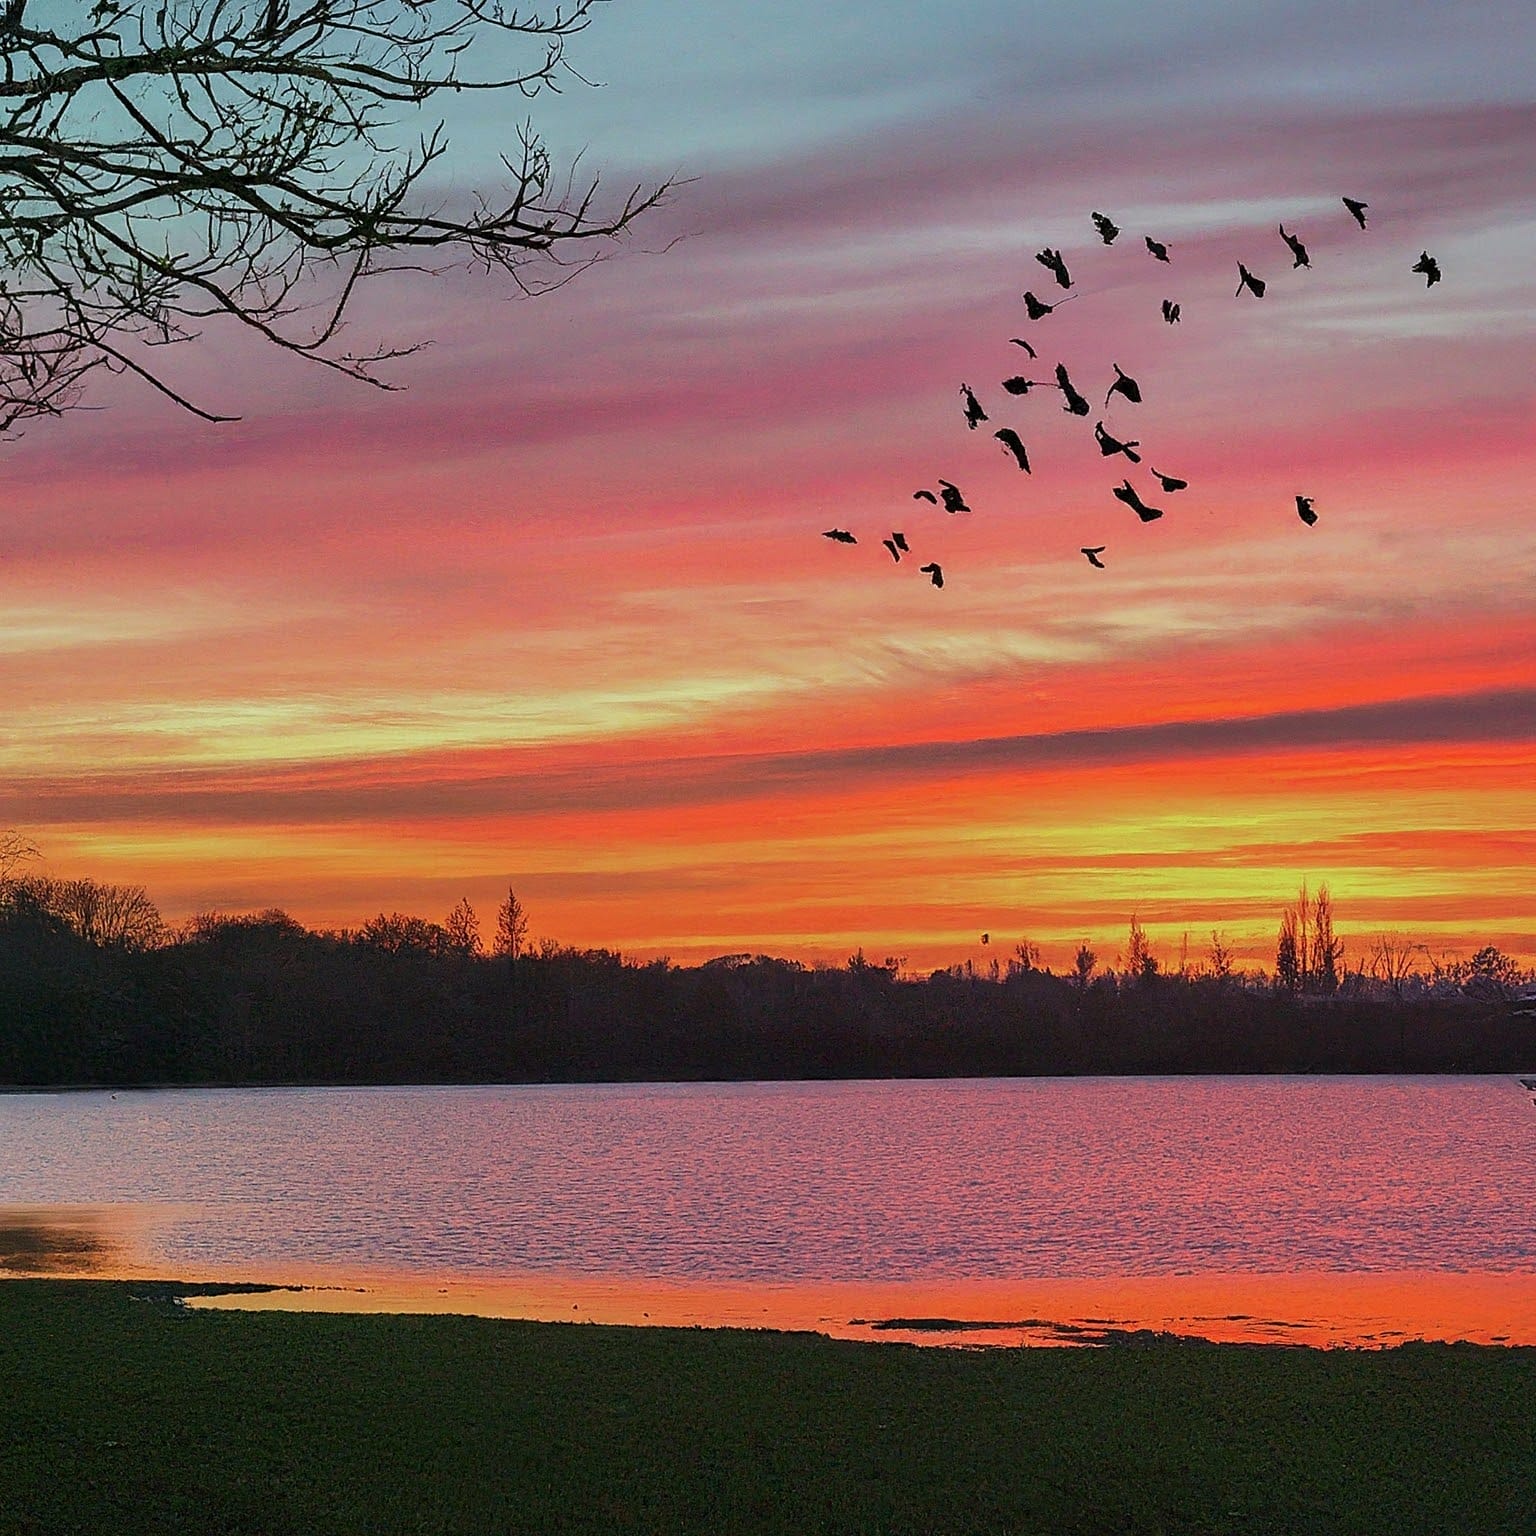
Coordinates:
[1219,957]
[1491,975]
[399,934]
[1303,910]
[1288,954]
[511,928]
[1140,962]
[108,916]
[167,163]
[463,929]
[15,850]
[1327,951]
[1083,964]
[1026,958]
[1391,960]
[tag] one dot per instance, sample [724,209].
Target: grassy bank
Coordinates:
[120,1411]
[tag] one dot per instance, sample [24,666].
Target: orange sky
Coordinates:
[559,614]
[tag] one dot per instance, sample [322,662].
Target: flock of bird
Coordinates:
[948,495]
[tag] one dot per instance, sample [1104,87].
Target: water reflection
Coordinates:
[721,1195]
[42,1241]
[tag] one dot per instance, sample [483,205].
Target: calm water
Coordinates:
[808,1181]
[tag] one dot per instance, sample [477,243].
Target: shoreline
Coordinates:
[1324,1311]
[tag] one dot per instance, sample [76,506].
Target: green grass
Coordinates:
[121,1412]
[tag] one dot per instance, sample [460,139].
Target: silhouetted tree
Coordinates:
[101,914]
[168,162]
[1490,975]
[1219,958]
[1026,959]
[511,927]
[463,929]
[1083,963]
[1288,954]
[1391,960]
[1140,963]
[15,851]
[399,934]
[1327,951]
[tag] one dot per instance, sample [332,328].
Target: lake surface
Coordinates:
[867,1181]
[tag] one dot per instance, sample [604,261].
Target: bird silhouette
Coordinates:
[1093,551]
[899,539]
[1157,248]
[925,496]
[1106,227]
[1035,309]
[1012,444]
[953,500]
[1019,386]
[1170,312]
[986,938]
[1126,492]
[1076,405]
[973,410]
[1304,510]
[841,535]
[1169,483]
[1124,385]
[1429,267]
[1246,279]
[1019,341]
[890,544]
[1109,445]
[1052,261]
[934,572]
[1357,208]
[1298,250]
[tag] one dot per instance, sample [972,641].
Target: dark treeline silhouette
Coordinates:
[262,999]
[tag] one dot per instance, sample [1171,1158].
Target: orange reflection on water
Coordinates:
[1322,1310]
[1319,1309]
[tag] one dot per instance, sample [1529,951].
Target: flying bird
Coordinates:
[1019,386]
[1357,208]
[1246,279]
[1124,385]
[841,535]
[890,544]
[1019,341]
[1035,310]
[900,541]
[1304,510]
[1298,250]
[1109,445]
[1169,483]
[1093,551]
[925,496]
[1170,312]
[953,500]
[1075,402]
[973,410]
[1106,227]
[1126,492]
[1012,444]
[1429,267]
[1157,248]
[934,572]
[1052,261]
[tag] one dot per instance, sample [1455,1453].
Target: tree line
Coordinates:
[95,988]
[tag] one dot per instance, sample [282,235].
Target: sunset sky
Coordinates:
[558,614]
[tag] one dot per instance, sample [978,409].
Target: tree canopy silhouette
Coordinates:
[166,163]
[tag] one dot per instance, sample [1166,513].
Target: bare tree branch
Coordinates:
[162,165]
